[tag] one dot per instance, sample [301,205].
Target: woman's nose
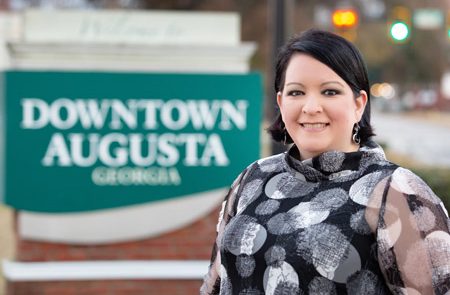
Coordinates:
[312,105]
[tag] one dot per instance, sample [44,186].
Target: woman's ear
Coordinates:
[279,99]
[361,102]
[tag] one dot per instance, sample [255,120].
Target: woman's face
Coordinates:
[318,107]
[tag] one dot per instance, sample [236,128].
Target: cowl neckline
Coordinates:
[333,164]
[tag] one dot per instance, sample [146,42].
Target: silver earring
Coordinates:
[285,136]
[355,137]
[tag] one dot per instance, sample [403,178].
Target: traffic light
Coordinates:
[448,24]
[399,31]
[400,24]
[345,18]
[345,22]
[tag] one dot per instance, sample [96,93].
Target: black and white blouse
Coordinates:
[339,223]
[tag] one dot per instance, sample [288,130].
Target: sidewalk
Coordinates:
[433,117]
[425,137]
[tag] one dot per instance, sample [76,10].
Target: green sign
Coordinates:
[79,141]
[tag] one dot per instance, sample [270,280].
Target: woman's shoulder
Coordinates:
[403,184]
[266,162]
[269,163]
[263,165]
[271,160]
[403,180]
[407,182]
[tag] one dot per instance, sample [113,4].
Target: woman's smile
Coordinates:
[314,127]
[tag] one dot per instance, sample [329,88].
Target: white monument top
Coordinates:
[126,40]
[132,27]
[10,26]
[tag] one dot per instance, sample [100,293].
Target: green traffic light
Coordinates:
[399,31]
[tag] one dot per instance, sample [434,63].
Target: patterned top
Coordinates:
[340,223]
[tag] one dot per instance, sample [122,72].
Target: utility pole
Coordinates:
[281,27]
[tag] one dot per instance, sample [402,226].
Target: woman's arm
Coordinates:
[413,236]
[211,282]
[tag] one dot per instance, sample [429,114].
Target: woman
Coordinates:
[332,215]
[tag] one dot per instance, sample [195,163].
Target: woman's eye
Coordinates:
[331,92]
[295,93]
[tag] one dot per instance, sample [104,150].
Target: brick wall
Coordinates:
[116,287]
[193,242]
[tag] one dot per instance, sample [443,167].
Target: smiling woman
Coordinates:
[331,215]
[318,107]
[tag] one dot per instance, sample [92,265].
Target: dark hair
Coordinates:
[338,54]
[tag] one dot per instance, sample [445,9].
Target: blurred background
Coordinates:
[406,44]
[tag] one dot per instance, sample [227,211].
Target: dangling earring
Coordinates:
[355,137]
[285,135]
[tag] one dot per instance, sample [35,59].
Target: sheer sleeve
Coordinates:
[211,281]
[412,232]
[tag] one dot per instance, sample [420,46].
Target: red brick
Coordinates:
[189,243]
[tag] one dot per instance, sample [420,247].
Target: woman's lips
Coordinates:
[314,125]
